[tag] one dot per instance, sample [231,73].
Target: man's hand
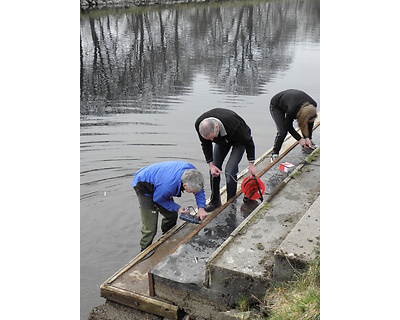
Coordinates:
[202,214]
[215,172]
[252,169]
[182,209]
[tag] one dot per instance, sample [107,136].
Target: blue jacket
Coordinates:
[164,179]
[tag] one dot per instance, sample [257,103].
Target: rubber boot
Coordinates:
[149,227]
[215,200]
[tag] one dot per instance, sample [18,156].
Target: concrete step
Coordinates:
[298,248]
[179,277]
[244,264]
[233,255]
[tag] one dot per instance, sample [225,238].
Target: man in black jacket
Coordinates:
[228,131]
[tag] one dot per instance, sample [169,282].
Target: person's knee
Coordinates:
[148,235]
[149,222]
[169,223]
[232,168]
[281,133]
[231,178]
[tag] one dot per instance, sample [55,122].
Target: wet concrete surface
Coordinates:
[135,278]
[244,265]
[273,177]
[193,254]
[299,246]
[195,274]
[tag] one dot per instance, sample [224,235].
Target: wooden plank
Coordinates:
[151,284]
[138,301]
[144,253]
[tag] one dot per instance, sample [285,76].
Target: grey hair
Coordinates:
[207,126]
[194,179]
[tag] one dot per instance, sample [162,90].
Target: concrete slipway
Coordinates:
[239,250]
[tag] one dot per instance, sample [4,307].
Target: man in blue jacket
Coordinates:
[156,185]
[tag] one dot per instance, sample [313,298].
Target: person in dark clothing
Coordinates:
[285,107]
[156,185]
[228,131]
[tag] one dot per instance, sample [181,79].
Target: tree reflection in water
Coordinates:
[132,57]
[146,74]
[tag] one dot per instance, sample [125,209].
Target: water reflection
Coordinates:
[146,75]
[132,61]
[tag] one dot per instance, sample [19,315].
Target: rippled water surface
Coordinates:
[145,78]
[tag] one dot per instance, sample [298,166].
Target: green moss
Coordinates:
[243,303]
[298,299]
[295,174]
[313,156]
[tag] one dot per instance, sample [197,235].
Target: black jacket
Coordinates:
[236,128]
[290,102]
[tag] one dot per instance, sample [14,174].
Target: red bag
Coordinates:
[253,188]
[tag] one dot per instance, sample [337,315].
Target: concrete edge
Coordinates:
[235,232]
[216,253]
[298,248]
[258,208]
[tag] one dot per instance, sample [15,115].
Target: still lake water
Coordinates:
[146,75]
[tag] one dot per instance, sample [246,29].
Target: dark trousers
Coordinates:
[149,213]
[231,169]
[279,118]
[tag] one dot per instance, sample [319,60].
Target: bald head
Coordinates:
[208,128]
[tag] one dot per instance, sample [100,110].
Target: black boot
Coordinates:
[215,201]
[213,205]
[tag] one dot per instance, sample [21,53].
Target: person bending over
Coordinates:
[156,185]
[228,131]
[285,107]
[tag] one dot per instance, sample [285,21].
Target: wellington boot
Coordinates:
[213,205]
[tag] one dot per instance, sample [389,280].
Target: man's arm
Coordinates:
[163,196]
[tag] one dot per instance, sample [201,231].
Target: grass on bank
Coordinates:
[297,299]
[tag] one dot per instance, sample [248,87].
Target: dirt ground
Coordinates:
[114,311]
